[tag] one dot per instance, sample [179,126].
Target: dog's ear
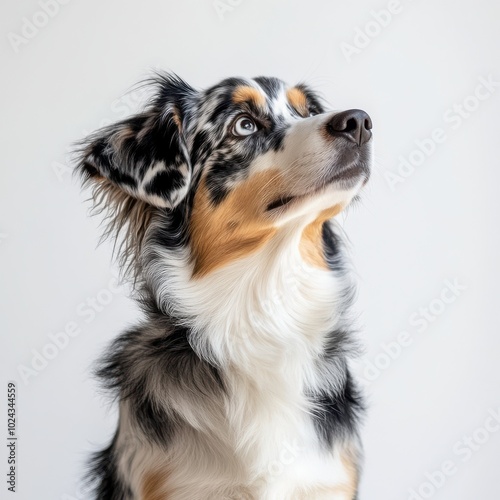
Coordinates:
[145,156]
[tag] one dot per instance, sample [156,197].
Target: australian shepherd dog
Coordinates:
[236,384]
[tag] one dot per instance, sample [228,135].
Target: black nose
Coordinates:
[353,124]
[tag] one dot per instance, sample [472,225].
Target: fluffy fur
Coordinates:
[236,384]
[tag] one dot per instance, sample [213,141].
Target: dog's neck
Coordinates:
[268,306]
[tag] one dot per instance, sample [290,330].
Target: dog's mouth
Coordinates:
[351,173]
[346,177]
[281,202]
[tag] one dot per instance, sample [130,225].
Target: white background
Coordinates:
[439,224]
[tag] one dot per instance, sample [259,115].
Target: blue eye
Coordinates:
[244,126]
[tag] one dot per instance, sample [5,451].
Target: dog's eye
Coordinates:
[313,112]
[244,126]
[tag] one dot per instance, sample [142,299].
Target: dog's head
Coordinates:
[227,167]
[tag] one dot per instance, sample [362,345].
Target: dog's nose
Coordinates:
[353,124]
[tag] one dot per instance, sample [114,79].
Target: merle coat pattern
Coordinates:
[236,384]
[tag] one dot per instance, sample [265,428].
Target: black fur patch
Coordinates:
[271,86]
[331,245]
[222,172]
[165,182]
[103,474]
[202,147]
[135,360]
[337,415]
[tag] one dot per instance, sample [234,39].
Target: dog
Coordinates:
[237,383]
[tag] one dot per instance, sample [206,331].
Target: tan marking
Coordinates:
[237,226]
[349,459]
[311,243]
[176,119]
[245,93]
[298,100]
[153,486]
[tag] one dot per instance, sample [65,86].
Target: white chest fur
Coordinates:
[263,320]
